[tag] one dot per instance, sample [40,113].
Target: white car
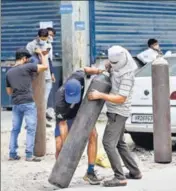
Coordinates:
[140,123]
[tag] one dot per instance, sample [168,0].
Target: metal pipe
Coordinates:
[39,93]
[161,111]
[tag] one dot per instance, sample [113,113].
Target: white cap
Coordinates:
[115,53]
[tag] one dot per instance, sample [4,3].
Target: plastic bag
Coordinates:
[102,159]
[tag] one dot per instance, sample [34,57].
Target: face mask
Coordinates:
[50,39]
[42,42]
[156,47]
[121,63]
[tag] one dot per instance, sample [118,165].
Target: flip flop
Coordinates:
[14,158]
[33,159]
[116,184]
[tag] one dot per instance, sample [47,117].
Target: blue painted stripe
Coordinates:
[139,3]
[92,32]
[132,41]
[26,7]
[133,16]
[25,14]
[118,24]
[128,33]
[21,27]
[142,45]
[147,12]
[112,8]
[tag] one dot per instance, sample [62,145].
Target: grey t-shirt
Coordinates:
[19,78]
[121,85]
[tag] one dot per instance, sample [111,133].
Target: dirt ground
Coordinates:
[25,176]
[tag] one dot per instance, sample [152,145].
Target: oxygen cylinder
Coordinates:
[77,139]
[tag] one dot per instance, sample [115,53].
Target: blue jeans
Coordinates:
[48,87]
[29,112]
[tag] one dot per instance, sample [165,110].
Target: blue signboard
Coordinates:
[66,8]
[79,25]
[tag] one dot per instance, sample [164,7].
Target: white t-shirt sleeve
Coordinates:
[147,56]
[31,47]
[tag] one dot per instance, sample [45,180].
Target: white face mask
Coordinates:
[156,47]
[42,42]
[50,39]
[121,63]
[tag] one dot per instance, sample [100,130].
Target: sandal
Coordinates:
[114,182]
[33,159]
[131,176]
[14,158]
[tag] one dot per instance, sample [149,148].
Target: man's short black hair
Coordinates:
[43,33]
[22,52]
[52,29]
[151,42]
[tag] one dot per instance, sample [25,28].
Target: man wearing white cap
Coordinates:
[121,67]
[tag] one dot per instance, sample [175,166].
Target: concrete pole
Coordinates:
[75,37]
[161,111]
[40,139]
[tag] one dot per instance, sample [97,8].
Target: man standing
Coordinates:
[121,66]
[68,100]
[42,43]
[51,34]
[151,53]
[19,85]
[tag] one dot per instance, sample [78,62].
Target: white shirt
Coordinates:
[148,55]
[31,46]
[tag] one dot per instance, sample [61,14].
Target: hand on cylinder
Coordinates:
[38,51]
[94,95]
[108,65]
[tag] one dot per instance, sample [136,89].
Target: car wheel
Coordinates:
[144,140]
[9,108]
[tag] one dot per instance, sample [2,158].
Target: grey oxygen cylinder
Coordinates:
[77,139]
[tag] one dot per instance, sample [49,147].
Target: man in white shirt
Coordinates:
[51,34]
[42,42]
[151,53]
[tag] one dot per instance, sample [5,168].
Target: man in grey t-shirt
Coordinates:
[118,101]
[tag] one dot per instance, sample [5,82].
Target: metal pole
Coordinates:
[39,92]
[161,111]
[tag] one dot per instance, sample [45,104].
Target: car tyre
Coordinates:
[144,140]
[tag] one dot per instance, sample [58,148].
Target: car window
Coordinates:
[146,71]
[172,66]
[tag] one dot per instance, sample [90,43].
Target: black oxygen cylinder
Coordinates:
[77,139]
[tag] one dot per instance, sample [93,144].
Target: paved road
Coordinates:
[6,120]
[155,180]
